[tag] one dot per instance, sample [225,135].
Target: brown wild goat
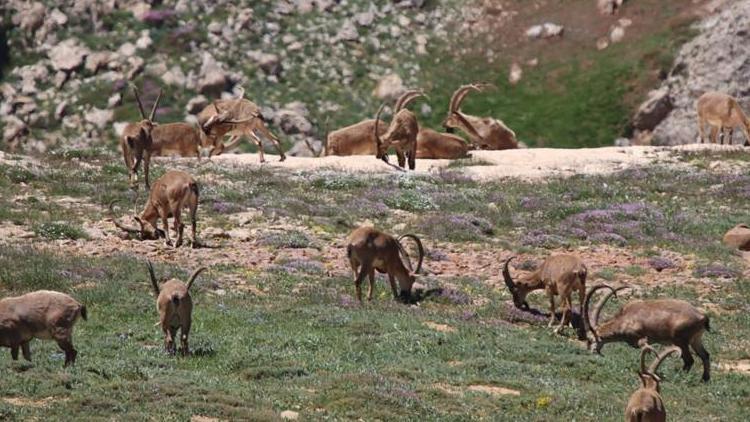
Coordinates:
[369,249]
[558,275]
[43,314]
[723,113]
[136,139]
[484,132]
[402,132]
[663,321]
[175,307]
[356,139]
[237,118]
[171,193]
[433,144]
[646,404]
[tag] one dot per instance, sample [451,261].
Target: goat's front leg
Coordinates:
[26,351]
[165,222]
[364,270]
[258,142]
[552,315]
[372,284]
[14,352]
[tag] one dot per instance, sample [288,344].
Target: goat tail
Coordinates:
[84,313]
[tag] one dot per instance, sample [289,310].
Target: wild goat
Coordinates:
[356,139]
[722,112]
[558,275]
[433,144]
[175,307]
[237,118]
[43,314]
[136,139]
[402,132]
[664,321]
[171,193]
[369,249]
[484,132]
[646,404]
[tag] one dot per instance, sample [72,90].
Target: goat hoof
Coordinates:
[283,157]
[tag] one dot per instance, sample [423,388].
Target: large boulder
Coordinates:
[738,237]
[653,110]
[68,55]
[390,87]
[213,79]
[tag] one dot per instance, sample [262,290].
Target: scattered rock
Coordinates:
[390,87]
[289,415]
[68,55]
[617,34]
[602,43]
[546,30]
[174,77]
[516,73]
[214,233]
[115,100]
[365,18]
[213,79]
[347,32]
[293,119]
[269,63]
[99,118]
[653,110]
[608,7]
[96,60]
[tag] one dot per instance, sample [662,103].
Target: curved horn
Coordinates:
[593,325]
[661,357]
[156,105]
[195,274]
[603,301]
[420,248]
[118,224]
[406,98]
[459,94]
[154,284]
[644,351]
[376,127]
[138,101]
[507,278]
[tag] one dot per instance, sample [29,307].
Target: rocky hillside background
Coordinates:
[567,73]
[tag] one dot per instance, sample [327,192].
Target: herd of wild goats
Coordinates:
[640,323]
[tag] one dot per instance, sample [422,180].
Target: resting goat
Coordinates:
[171,193]
[357,139]
[436,145]
[237,118]
[369,249]
[402,132]
[484,132]
[664,321]
[43,314]
[558,275]
[175,307]
[723,113]
[646,404]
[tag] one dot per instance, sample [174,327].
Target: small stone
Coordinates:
[67,56]
[289,415]
[390,87]
[99,118]
[617,34]
[115,100]
[516,73]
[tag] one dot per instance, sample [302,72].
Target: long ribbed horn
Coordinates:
[420,248]
[603,301]
[406,98]
[593,325]
[138,101]
[459,95]
[154,283]
[195,274]
[156,105]
[661,357]
[644,351]
[118,224]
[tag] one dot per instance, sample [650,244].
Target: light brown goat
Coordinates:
[357,139]
[646,404]
[175,307]
[237,118]
[43,314]
[136,139]
[402,132]
[559,275]
[369,249]
[484,132]
[435,145]
[171,193]
[723,113]
[664,321]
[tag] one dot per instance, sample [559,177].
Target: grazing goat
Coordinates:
[237,118]
[402,132]
[356,139]
[432,144]
[43,314]
[558,275]
[171,193]
[664,321]
[646,404]
[136,140]
[369,249]
[723,113]
[484,132]
[175,307]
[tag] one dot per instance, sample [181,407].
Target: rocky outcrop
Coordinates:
[715,60]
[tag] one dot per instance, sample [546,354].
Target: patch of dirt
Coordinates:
[9,230]
[492,390]
[742,366]
[198,418]
[38,404]
[443,328]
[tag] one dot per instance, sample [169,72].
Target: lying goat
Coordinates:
[369,249]
[664,321]
[171,193]
[45,315]
[558,275]
[175,307]
[646,404]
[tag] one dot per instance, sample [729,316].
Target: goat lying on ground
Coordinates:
[433,144]
[723,113]
[646,404]
[484,132]
[171,193]
[558,275]
[175,307]
[43,314]
[664,321]
[369,249]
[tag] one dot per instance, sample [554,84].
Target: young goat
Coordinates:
[175,307]
[664,321]
[723,113]
[402,132]
[369,249]
[646,404]
[43,314]
[558,275]
[171,193]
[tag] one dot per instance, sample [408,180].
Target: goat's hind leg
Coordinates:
[26,350]
[697,345]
